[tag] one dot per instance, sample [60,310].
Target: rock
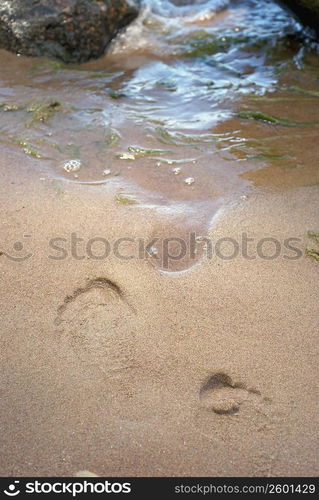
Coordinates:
[70,30]
[306,11]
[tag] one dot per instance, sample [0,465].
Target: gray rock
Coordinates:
[306,11]
[70,30]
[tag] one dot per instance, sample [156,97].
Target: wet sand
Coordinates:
[114,367]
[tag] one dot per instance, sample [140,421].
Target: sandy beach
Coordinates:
[207,372]
[159,310]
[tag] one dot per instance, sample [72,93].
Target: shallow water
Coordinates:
[158,115]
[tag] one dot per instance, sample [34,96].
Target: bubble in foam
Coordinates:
[189,181]
[71,166]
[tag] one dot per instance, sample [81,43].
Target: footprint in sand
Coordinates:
[221,395]
[98,323]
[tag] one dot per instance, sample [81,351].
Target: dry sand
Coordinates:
[115,367]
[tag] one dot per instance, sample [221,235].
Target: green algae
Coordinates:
[124,200]
[264,117]
[169,85]
[116,94]
[7,106]
[139,151]
[311,252]
[267,156]
[100,74]
[204,44]
[180,139]
[28,149]
[154,121]
[312,93]
[51,67]
[202,48]
[126,156]
[281,99]
[42,112]
[252,149]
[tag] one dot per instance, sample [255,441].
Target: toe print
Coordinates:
[222,396]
